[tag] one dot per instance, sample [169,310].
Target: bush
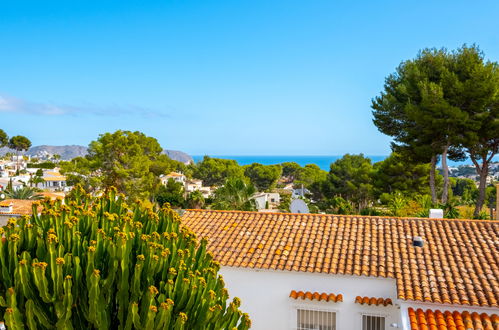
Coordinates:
[45,165]
[99,263]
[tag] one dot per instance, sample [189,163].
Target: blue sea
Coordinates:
[322,161]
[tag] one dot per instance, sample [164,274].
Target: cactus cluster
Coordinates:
[96,262]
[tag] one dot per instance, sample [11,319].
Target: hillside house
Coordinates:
[266,200]
[328,272]
[177,177]
[193,185]
[14,208]
[53,180]
[4,183]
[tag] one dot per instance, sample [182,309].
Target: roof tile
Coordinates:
[458,263]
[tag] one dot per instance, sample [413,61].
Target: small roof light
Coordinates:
[417,241]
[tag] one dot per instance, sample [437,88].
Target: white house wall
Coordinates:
[265,296]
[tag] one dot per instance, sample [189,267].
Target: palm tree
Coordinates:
[195,200]
[235,194]
[23,193]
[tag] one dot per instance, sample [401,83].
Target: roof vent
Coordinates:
[417,241]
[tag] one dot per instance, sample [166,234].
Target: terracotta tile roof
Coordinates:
[329,297]
[19,206]
[451,320]
[373,301]
[458,264]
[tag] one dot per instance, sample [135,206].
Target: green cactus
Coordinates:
[96,262]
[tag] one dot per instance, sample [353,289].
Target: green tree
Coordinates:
[465,189]
[350,177]
[19,143]
[308,175]
[263,177]
[81,171]
[214,171]
[172,193]
[122,159]
[195,200]
[4,139]
[416,110]
[99,263]
[397,174]
[476,92]
[290,170]
[235,194]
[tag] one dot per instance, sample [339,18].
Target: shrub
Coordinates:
[99,263]
[45,165]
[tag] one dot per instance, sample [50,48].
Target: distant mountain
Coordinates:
[45,152]
[72,151]
[179,156]
[66,152]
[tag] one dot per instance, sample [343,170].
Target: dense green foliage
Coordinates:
[129,161]
[290,170]
[98,263]
[45,165]
[235,194]
[214,171]
[443,104]
[19,143]
[263,177]
[22,193]
[350,178]
[172,193]
[4,139]
[396,174]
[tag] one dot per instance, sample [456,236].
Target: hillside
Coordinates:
[71,151]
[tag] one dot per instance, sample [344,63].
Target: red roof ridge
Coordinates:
[342,215]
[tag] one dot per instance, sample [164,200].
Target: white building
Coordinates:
[309,271]
[14,208]
[53,180]
[177,177]
[4,183]
[266,200]
[193,185]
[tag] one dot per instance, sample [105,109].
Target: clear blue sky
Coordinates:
[219,77]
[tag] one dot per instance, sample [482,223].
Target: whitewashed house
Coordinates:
[177,177]
[193,185]
[53,180]
[266,200]
[4,183]
[14,208]
[327,272]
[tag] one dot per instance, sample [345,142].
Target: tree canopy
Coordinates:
[397,174]
[214,171]
[19,143]
[4,139]
[235,194]
[350,178]
[441,104]
[263,177]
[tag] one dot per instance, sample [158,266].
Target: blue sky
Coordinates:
[219,77]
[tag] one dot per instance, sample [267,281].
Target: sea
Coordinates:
[323,162]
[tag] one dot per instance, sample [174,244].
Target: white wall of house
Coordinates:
[262,199]
[265,297]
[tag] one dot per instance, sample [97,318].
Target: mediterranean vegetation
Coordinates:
[105,263]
